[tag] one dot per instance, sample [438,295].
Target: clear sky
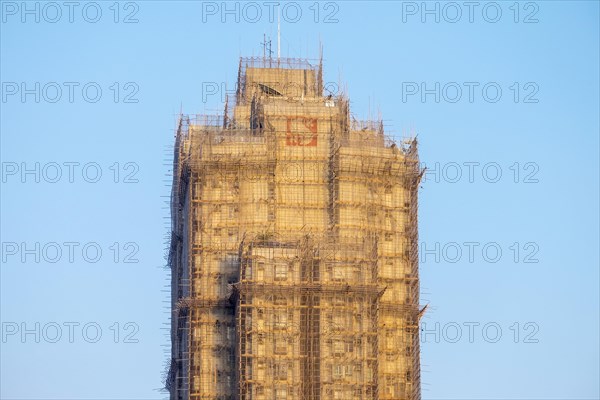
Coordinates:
[504,98]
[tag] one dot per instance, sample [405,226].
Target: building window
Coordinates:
[338,370]
[260,271]
[338,348]
[280,301]
[388,270]
[260,371]
[271,188]
[232,235]
[342,321]
[281,393]
[281,271]
[390,342]
[348,369]
[337,273]
[281,371]
[341,347]
[349,346]
[280,320]
[247,271]
[280,346]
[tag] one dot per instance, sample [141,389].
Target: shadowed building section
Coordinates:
[294,247]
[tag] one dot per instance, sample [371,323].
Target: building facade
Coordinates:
[294,247]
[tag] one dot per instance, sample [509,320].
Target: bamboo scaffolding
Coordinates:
[294,251]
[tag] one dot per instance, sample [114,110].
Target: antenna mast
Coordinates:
[267,48]
[278,35]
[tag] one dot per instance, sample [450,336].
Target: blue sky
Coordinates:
[508,211]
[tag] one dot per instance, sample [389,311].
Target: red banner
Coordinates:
[301,131]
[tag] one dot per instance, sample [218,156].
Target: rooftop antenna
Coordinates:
[267,47]
[278,35]
[320,49]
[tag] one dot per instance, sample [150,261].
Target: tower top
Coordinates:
[294,77]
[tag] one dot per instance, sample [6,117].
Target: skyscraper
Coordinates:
[294,247]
